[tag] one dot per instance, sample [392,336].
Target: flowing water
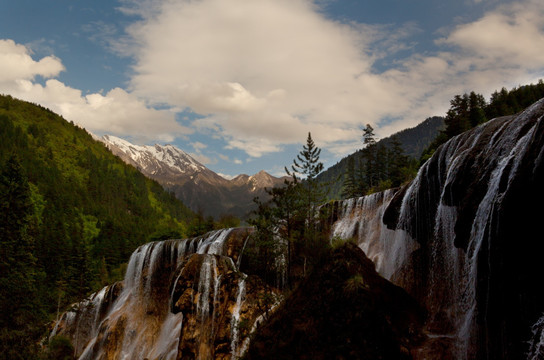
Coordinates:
[428,216]
[137,322]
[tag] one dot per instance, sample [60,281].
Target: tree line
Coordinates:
[381,166]
[471,109]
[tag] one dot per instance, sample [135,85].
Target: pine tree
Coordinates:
[19,306]
[369,138]
[350,188]
[476,105]
[370,157]
[286,212]
[278,224]
[312,194]
[308,167]
[397,162]
[466,112]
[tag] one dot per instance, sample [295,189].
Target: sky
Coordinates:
[239,84]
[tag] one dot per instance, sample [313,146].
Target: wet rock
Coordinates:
[344,310]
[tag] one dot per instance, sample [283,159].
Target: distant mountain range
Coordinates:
[204,191]
[198,187]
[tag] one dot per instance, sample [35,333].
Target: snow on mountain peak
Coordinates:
[156,156]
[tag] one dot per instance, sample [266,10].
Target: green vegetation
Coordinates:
[469,110]
[394,157]
[71,215]
[287,226]
[381,165]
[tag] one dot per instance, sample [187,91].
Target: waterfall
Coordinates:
[236,319]
[536,343]
[361,218]
[134,319]
[439,243]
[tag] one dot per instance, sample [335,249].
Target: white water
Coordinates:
[362,218]
[235,320]
[452,272]
[536,343]
[140,319]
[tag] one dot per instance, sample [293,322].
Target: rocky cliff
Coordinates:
[462,239]
[343,310]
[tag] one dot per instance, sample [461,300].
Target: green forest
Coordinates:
[470,110]
[71,215]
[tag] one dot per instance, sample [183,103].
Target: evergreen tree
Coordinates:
[369,138]
[466,112]
[19,306]
[350,187]
[381,167]
[370,158]
[457,117]
[476,105]
[307,166]
[312,194]
[397,162]
[261,257]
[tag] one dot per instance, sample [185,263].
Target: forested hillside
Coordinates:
[412,143]
[71,214]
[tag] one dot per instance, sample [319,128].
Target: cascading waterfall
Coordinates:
[536,343]
[134,319]
[361,218]
[448,217]
[208,290]
[235,321]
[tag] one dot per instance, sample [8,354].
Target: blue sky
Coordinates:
[239,84]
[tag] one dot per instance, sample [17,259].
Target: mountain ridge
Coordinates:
[413,141]
[200,188]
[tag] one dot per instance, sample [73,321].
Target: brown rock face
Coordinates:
[218,304]
[343,310]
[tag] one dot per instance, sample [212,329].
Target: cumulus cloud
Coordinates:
[17,64]
[266,72]
[117,112]
[512,35]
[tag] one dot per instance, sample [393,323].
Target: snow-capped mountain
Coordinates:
[197,186]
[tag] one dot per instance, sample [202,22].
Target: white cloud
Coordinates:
[266,72]
[198,146]
[17,64]
[203,159]
[225,176]
[512,35]
[118,112]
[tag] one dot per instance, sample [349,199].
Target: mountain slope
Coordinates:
[413,142]
[197,186]
[90,210]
